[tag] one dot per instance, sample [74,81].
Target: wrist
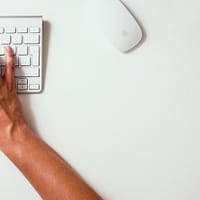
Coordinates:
[16,134]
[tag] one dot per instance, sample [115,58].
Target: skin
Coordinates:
[51,176]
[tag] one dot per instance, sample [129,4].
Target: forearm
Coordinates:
[51,176]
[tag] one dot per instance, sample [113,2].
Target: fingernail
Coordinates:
[8,48]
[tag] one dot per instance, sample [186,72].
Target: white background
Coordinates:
[128,123]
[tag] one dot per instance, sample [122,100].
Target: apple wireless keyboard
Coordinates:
[24,34]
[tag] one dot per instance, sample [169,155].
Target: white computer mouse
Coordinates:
[118,24]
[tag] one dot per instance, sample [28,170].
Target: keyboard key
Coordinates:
[3,71]
[22,87]
[31,39]
[5,39]
[22,81]
[27,71]
[1,30]
[22,29]
[22,50]
[16,39]
[1,50]
[10,30]
[35,58]
[34,29]
[34,50]
[34,86]
[24,61]
[2,60]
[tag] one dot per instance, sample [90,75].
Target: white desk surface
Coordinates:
[128,123]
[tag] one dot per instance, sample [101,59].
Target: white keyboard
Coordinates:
[24,35]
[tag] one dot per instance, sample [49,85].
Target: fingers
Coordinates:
[10,67]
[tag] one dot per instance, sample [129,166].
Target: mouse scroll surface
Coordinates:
[118,24]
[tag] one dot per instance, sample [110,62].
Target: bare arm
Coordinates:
[50,175]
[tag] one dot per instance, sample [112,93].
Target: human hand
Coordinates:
[11,115]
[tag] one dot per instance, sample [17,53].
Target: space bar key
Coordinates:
[27,71]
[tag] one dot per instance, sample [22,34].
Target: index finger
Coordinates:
[10,67]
